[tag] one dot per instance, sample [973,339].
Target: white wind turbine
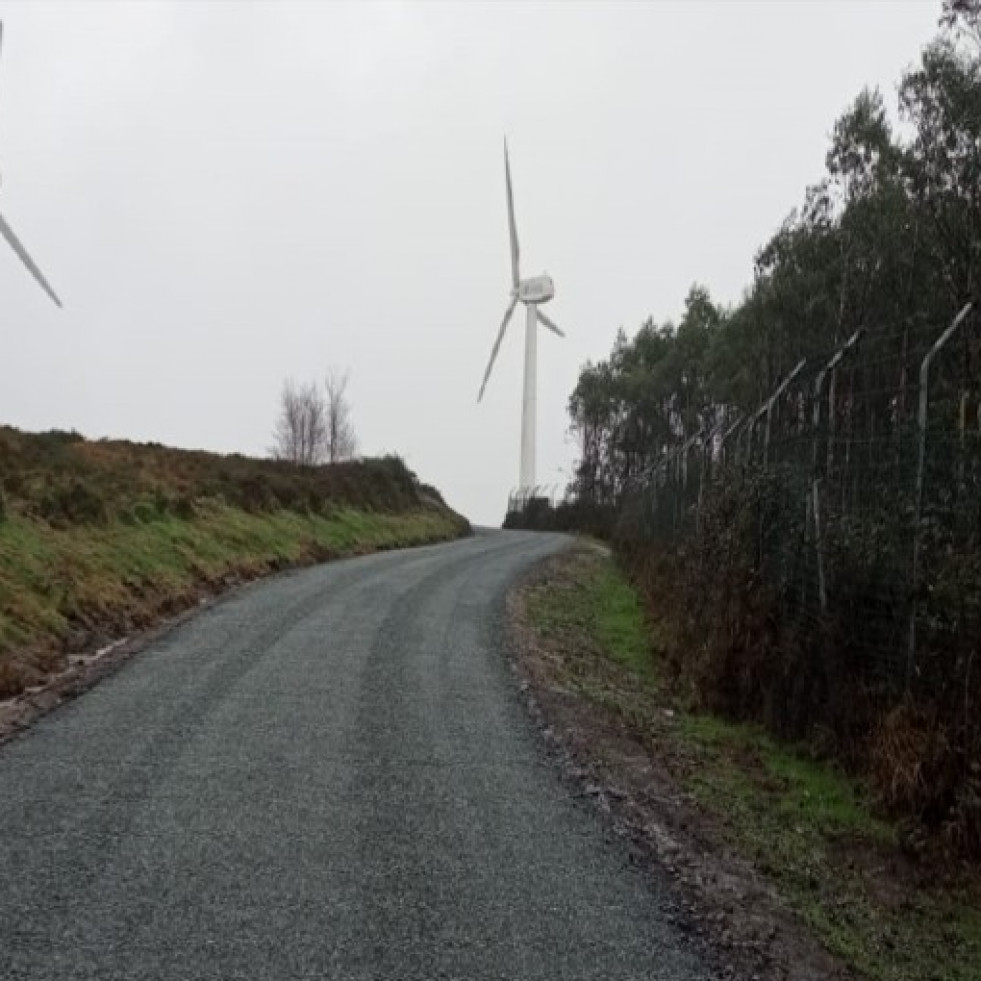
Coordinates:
[532,293]
[8,233]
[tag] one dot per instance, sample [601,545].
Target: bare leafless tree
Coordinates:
[341,440]
[301,431]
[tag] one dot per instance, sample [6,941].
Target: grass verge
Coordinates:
[65,588]
[803,824]
[101,539]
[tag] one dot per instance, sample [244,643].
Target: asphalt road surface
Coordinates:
[326,775]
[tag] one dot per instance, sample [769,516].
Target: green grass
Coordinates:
[812,794]
[113,577]
[619,620]
[812,832]
[602,606]
[807,826]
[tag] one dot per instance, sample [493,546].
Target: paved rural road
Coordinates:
[327,775]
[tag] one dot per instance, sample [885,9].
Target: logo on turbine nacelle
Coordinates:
[538,289]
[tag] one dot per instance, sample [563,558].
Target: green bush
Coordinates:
[75,504]
[183,507]
[69,480]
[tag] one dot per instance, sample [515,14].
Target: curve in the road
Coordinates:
[327,775]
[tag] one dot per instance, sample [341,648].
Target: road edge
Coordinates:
[745,928]
[93,664]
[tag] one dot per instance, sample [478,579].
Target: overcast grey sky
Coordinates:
[228,193]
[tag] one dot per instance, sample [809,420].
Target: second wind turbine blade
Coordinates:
[497,344]
[548,323]
[512,228]
[8,233]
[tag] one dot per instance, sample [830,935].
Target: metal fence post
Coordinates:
[750,426]
[708,452]
[822,376]
[767,408]
[725,438]
[921,421]
[685,450]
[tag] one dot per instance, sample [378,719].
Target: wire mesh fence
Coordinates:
[854,494]
[544,507]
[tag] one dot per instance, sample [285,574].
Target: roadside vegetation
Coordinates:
[98,539]
[792,481]
[812,831]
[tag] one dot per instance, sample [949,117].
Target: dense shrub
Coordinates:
[750,641]
[75,503]
[67,480]
[539,514]
[796,477]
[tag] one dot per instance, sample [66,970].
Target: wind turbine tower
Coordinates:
[532,293]
[8,233]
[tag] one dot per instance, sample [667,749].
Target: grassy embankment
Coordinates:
[800,821]
[99,539]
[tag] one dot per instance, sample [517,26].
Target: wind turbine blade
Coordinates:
[511,226]
[497,344]
[548,323]
[8,233]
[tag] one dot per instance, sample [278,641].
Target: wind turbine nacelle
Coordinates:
[538,289]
